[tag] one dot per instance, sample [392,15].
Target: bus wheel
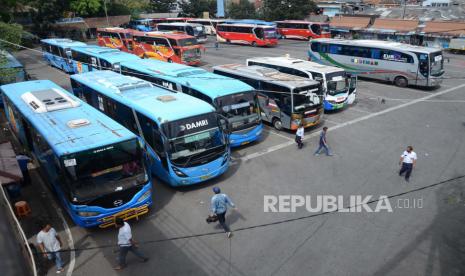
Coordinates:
[401,81]
[277,124]
[170,60]
[254,44]
[228,41]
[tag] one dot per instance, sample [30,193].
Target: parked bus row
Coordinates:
[165,46]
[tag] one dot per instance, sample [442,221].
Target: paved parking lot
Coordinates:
[367,139]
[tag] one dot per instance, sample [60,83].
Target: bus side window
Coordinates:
[152,136]
[259,33]
[105,64]
[315,46]
[55,50]
[190,30]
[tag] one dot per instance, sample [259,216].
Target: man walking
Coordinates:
[126,244]
[50,244]
[299,136]
[219,206]
[323,144]
[408,160]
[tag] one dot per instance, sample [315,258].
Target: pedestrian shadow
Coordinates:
[444,235]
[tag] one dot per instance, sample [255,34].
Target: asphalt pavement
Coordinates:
[367,140]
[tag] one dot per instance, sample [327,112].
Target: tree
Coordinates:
[11,33]
[243,10]
[86,7]
[288,9]
[195,8]
[161,5]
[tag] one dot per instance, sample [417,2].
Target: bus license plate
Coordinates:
[204,177]
[244,143]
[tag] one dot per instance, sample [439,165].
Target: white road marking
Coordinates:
[358,120]
[359,110]
[278,134]
[330,121]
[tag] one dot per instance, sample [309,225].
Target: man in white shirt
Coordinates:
[408,160]
[50,244]
[126,244]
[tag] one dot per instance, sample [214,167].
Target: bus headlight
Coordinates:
[88,214]
[178,172]
[144,196]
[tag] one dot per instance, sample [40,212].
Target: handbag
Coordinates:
[212,218]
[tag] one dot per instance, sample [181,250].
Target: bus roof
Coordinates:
[172,35]
[250,21]
[157,103]
[11,61]
[72,127]
[379,43]
[210,84]
[115,29]
[109,54]
[62,42]
[298,64]
[302,22]
[178,24]
[247,25]
[266,74]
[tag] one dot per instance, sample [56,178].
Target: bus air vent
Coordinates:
[42,101]
[78,123]
[166,98]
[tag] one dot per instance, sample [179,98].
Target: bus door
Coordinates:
[423,69]
[268,107]
[259,33]
[352,89]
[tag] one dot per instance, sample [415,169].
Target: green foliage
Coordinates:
[86,7]
[195,8]
[161,5]
[243,10]
[44,13]
[11,33]
[288,9]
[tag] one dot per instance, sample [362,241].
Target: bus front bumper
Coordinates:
[243,138]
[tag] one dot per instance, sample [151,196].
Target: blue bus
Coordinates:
[95,165]
[184,136]
[11,70]
[143,25]
[91,58]
[232,99]
[56,52]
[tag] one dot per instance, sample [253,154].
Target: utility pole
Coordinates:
[403,12]
[106,14]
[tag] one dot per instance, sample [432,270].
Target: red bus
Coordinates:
[117,38]
[170,47]
[255,35]
[303,29]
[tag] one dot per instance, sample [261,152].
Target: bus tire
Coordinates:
[254,44]
[228,41]
[401,81]
[170,60]
[277,124]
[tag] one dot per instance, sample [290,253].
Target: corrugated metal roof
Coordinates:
[349,22]
[453,28]
[398,25]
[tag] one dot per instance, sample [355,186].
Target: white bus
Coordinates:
[195,30]
[402,64]
[286,101]
[339,87]
[209,24]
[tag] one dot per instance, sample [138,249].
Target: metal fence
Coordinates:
[23,243]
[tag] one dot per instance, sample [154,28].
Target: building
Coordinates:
[436,3]
[439,33]
[393,30]
[348,26]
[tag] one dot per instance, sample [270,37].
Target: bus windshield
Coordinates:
[437,64]
[198,30]
[185,42]
[306,97]
[270,33]
[101,171]
[195,140]
[336,83]
[241,109]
